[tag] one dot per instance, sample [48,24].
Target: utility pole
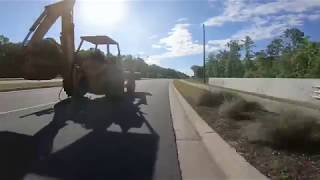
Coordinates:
[204,53]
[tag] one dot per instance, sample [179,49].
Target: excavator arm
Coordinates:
[48,17]
[38,30]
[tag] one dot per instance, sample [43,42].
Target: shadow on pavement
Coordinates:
[101,154]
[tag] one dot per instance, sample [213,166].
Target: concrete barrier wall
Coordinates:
[292,89]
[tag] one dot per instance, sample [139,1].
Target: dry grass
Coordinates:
[202,97]
[191,93]
[294,130]
[230,105]
[199,81]
[214,99]
[239,109]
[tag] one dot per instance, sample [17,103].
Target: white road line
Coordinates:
[15,91]
[21,109]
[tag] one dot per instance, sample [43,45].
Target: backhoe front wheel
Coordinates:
[67,86]
[115,89]
[79,82]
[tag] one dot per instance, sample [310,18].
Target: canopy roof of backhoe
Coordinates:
[99,40]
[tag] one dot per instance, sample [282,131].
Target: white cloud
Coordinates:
[182,20]
[273,26]
[314,17]
[259,31]
[231,13]
[156,46]
[154,36]
[266,20]
[141,53]
[178,43]
[245,10]
[152,60]
[215,45]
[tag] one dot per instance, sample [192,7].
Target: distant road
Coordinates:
[10,79]
[14,79]
[87,140]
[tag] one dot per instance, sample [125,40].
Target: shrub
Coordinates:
[239,109]
[295,131]
[214,99]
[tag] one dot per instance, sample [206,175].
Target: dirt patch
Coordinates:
[280,145]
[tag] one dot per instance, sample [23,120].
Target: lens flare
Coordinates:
[102,13]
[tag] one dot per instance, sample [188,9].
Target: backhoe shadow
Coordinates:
[101,154]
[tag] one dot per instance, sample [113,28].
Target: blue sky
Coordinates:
[169,33]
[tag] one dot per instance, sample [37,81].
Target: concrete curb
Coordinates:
[227,159]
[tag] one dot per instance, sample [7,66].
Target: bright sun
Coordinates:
[102,12]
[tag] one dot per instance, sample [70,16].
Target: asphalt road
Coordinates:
[93,138]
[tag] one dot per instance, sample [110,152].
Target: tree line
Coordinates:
[11,58]
[291,55]
[137,64]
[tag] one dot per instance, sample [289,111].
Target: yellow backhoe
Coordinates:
[94,72]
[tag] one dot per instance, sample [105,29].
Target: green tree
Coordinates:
[248,44]
[304,59]
[234,66]
[293,37]
[4,40]
[292,55]
[249,67]
[197,71]
[212,65]
[275,48]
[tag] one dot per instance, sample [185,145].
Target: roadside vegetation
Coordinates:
[296,131]
[282,145]
[292,55]
[239,109]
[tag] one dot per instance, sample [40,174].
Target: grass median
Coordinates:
[6,86]
[282,145]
